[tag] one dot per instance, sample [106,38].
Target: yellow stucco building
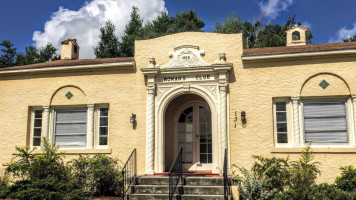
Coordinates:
[199,91]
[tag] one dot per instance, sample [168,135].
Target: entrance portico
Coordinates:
[203,86]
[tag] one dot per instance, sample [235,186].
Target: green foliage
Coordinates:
[108,46]
[132,31]
[258,34]
[99,175]
[274,170]
[33,55]
[4,184]
[350,39]
[347,180]
[322,191]
[8,56]
[303,171]
[42,176]
[252,186]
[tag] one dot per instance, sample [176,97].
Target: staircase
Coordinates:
[192,188]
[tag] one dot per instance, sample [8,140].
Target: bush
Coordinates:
[4,184]
[304,172]
[100,175]
[41,176]
[322,191]
[347,180]
[252,186]
[275,170]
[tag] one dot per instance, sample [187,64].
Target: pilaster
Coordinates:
[296,127]
[45,121]
[90,126]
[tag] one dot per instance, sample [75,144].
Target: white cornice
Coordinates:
[125,65]
[298,55]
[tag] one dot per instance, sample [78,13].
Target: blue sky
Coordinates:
[37,22]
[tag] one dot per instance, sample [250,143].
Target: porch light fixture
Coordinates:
[243,117]
[133,120]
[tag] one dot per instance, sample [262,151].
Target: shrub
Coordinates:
[4,184]
[304,172]
[275,170]
[100,175]
[322,191]
[252,186]
[41,176]
[347,180]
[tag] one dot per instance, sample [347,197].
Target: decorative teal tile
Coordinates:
[324,84]
[69,95]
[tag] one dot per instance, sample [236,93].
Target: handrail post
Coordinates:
[175,174]
[129,173]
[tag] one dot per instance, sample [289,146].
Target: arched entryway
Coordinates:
[189,124]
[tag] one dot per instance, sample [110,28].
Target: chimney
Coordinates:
[296,36]
[70,49]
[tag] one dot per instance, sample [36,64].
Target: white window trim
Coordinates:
[92,128]
[290,134]
[290,124]
[32,126]
[97,127]
[350,124]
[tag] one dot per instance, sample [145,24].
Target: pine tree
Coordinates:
[108,46]
[350,39]
[132,31]
[8,56]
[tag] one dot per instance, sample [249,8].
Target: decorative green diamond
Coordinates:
[69,95]
[324,84]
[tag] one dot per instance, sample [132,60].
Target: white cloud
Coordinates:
[306,25]
[84,23]
[272,8]
[344,33]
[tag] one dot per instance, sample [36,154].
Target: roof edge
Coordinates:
[125,65]
[295,55]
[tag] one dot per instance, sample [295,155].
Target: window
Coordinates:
[103,126]
[281,121]
[325,121]
[295,35]
[75,49]
[36,128]
[70,128]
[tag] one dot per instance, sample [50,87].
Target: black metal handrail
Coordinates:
[129,173]
[226,178]
[175,173]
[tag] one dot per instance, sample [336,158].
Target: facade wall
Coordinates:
[252,88]
[123,91]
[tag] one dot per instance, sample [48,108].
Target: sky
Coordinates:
[37,22]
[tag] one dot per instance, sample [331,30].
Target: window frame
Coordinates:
[290,135]
[97,126]
[349,122]
[32,126]
[53,125]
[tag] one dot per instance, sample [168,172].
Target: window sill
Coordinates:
[78,151]
[316,150]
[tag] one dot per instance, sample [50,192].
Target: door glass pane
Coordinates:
[185,134]
[205,134]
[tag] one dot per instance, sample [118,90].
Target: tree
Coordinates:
[33,55]
[108,46]
[132,31]
[161,25]
[8,56]
[256,34]
[350,39]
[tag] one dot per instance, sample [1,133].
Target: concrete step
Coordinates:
[183,197]
[164,189]
[204,181]
[190,180]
